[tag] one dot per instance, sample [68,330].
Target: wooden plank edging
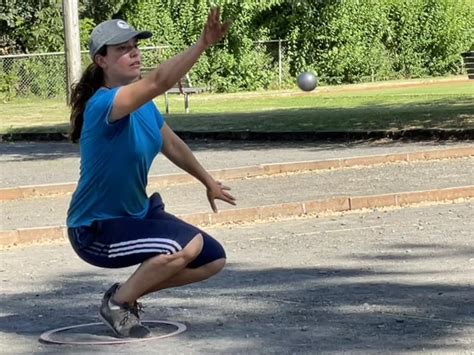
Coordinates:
[282,210]
[262,170]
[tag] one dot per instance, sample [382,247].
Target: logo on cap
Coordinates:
[123,25]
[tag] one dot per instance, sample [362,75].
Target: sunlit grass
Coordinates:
[439,104]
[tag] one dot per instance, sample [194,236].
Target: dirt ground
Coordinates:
[392,281]
[397,281]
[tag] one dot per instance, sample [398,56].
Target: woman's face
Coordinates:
[122,62]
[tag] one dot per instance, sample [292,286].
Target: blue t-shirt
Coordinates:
[115,160]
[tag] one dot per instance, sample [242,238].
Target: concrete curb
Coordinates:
[251,214]
[247,135]
[261,170]
[420,134]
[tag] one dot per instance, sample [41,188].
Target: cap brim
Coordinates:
[125,37]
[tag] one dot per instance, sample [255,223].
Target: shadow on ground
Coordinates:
[30,151]
[37,151]
[412,251]
[297,309]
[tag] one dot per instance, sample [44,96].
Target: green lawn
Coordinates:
[437,104]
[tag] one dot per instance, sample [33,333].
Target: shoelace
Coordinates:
[135,310]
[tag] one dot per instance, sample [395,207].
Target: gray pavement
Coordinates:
[399,281]
[23,163]
[191,198]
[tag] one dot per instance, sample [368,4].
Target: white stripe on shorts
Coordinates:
[147,240]
[93,247]
[91,251]
[137,251]
[172,249]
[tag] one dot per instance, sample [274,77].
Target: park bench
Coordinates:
[468,59]
[183,87]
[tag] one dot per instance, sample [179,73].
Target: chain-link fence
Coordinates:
[33,75]
[278,62]
[44,75]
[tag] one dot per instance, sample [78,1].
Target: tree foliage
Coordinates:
[342,40]
[347,41]
[17,23]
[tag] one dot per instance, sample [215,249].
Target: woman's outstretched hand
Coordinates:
[219,191]
[214,29]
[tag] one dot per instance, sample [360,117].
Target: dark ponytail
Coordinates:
[91,80]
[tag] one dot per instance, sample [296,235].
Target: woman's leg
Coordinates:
[159,270]
[197,267]
[170,253]
[188,276]
[209,262]
[119,309]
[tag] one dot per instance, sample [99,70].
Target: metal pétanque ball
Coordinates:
[307,81]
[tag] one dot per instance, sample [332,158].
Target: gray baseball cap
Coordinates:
[113,32]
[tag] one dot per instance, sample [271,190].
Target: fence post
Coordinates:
[279,63]
[72,44]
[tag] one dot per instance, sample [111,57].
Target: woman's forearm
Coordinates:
[182,156]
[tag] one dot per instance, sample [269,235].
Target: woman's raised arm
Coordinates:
[132,96]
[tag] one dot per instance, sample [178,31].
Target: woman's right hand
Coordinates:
[214,29]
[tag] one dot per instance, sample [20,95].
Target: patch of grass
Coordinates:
[438,104]
[441,114]
[24,114]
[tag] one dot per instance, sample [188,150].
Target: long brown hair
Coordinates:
[91,80]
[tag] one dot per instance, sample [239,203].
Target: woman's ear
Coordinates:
[100,61]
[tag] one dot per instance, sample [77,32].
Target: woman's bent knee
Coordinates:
[184,256]
[213,267]
[192,250]
[216,265]
[211,251]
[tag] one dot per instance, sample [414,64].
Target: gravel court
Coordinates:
[394,281]
[34,163]
[251,192]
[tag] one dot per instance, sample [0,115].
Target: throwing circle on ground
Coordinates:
[60,335]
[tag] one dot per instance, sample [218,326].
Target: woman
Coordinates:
[111,221]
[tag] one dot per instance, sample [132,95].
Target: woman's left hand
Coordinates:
[218,191]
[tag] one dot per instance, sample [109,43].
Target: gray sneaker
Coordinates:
[123,319]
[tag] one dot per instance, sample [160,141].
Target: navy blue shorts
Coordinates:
[126,241]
